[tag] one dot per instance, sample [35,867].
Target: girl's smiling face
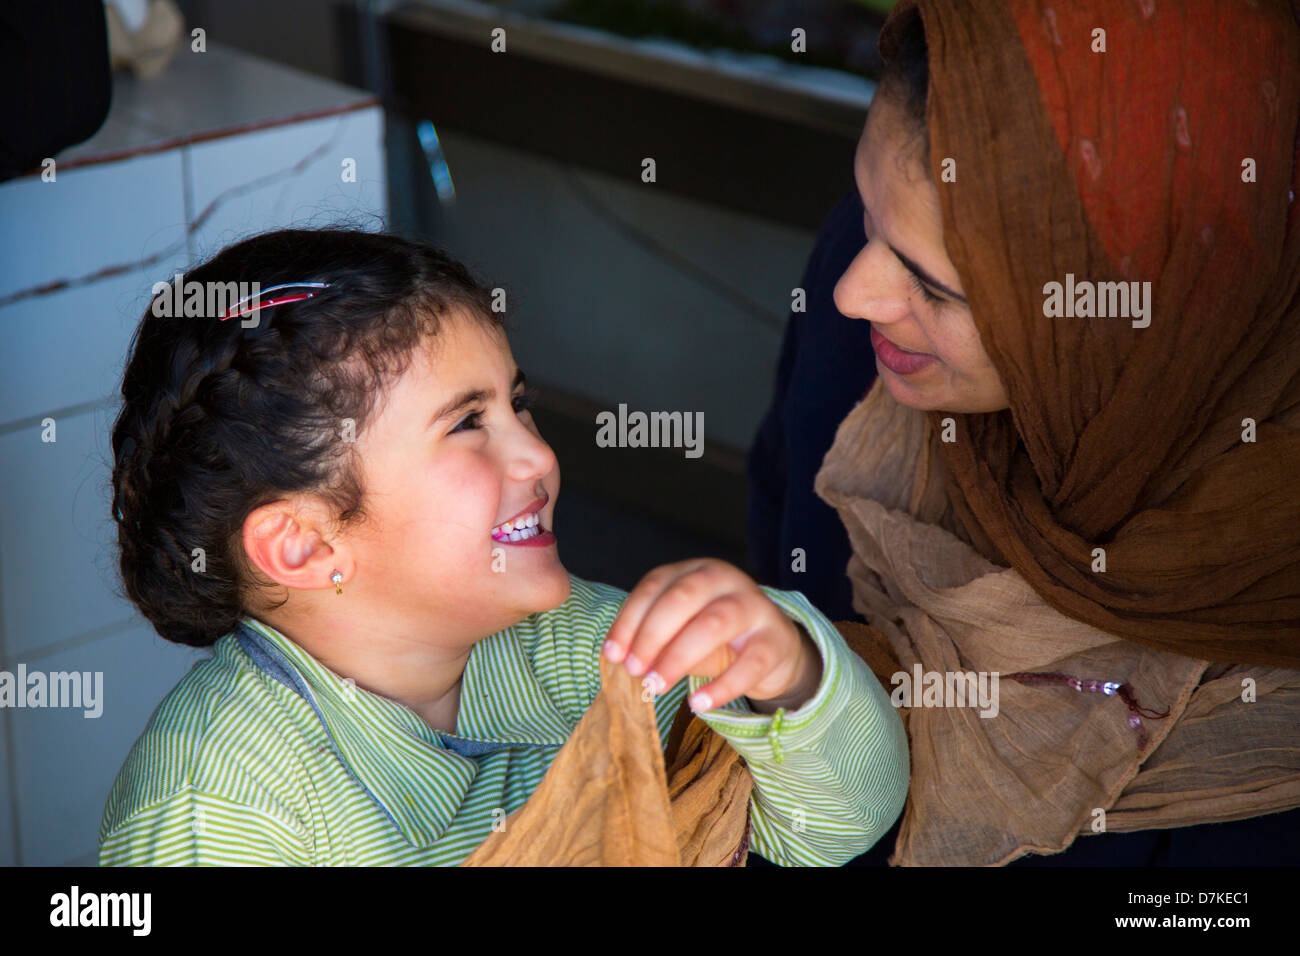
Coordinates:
[928,351]
[450,457]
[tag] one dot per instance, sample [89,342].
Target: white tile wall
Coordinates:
[65,762]
[68,348]
[289,176]
[60,607]
[89,218]
[56,534]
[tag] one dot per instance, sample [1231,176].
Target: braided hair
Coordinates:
[218,419]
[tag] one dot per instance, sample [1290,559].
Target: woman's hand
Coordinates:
[708,618]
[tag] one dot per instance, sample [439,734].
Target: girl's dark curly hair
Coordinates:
[218,419]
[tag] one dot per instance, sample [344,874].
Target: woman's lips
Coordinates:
[899,361]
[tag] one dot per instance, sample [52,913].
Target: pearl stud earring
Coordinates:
[337,578]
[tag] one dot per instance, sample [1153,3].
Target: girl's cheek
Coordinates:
[473,484]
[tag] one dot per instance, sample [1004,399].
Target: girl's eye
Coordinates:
[526,400]
[920,287]
[470,422]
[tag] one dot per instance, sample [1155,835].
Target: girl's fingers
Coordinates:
[753,664]
[670,611]
[638,602]
[705,645]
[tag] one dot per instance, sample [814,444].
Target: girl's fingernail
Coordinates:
[634,666]
[611,650]
[701,702]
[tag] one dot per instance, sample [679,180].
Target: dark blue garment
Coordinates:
[1272,840]
[826,367]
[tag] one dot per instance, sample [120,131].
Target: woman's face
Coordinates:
[927,349]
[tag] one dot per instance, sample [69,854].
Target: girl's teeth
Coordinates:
[519,529]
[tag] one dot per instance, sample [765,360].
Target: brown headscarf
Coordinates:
[977,554]
[1170,158]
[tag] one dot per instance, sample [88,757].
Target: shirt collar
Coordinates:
[402,761]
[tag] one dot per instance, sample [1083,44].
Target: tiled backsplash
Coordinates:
[218,146]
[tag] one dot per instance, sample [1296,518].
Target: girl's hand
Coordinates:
[708,618]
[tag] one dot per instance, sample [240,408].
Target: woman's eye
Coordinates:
[920,287]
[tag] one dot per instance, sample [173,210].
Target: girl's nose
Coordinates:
[872,287]
[530,457]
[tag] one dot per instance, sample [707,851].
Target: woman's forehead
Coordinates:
[891,153]
[896,189]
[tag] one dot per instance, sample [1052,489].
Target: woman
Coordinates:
[1074,499]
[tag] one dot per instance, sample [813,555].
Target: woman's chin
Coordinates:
[906,390]
[934,390]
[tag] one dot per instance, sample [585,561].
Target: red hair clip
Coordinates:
[238,308]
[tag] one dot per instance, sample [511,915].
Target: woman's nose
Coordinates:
[870,288]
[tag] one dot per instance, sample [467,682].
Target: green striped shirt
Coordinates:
[236,768]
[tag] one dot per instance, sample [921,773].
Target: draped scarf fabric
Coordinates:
[613,796]
[1169,158]
[1052,763]
[978,554]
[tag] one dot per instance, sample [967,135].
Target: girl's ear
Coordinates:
[285,541]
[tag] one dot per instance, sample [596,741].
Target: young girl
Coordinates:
[339,487]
